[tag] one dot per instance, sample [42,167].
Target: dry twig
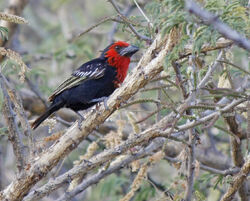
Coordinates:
[138,35]
[12,18]
[15,134]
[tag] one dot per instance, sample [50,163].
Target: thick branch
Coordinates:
[191,165]
[237,154]
[14,132]
[238,181]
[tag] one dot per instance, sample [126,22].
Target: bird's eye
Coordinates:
[117,48]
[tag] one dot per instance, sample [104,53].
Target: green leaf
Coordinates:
[3,131]
[218,181]
[4,33]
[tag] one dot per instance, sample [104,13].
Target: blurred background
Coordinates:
[51,47]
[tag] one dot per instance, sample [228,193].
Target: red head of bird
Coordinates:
[118,55]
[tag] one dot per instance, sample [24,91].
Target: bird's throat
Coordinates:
[121,63]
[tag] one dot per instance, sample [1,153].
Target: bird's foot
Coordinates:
[97,106]
[102,99]
[79,124]
[80,120]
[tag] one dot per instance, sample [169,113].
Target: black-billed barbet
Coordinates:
[93,81]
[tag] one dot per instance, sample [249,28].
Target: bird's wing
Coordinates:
[91,70]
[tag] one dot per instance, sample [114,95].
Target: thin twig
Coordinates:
[191,132]
[158,105]
[150,115]
[238,67]
[138,35]
[14,132]
[126,13]
[16,99]
[144,15]
[112,18]
[160,187]
[177,67]
[229,171]
[191,97]
[210,71]
[205,49]
[156,87]
[145,100]
[36,90]
[228,132]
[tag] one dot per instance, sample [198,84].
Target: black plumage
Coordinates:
[91,82]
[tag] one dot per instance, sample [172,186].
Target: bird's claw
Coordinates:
[79,124]
[105,104]
[102,99]
[80,120]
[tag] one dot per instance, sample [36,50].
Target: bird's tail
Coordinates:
[45,115]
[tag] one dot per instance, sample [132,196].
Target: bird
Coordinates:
[93,82]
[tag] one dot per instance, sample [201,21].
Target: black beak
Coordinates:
[129,51]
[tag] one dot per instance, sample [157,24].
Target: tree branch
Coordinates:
[77,35]
[237,154]
[126,12]
[229,171]
[138,35]
[210,19]
[191,165]
[238,181]
[14,132]
[220,44]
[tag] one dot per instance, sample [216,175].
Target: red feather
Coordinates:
[118,61]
